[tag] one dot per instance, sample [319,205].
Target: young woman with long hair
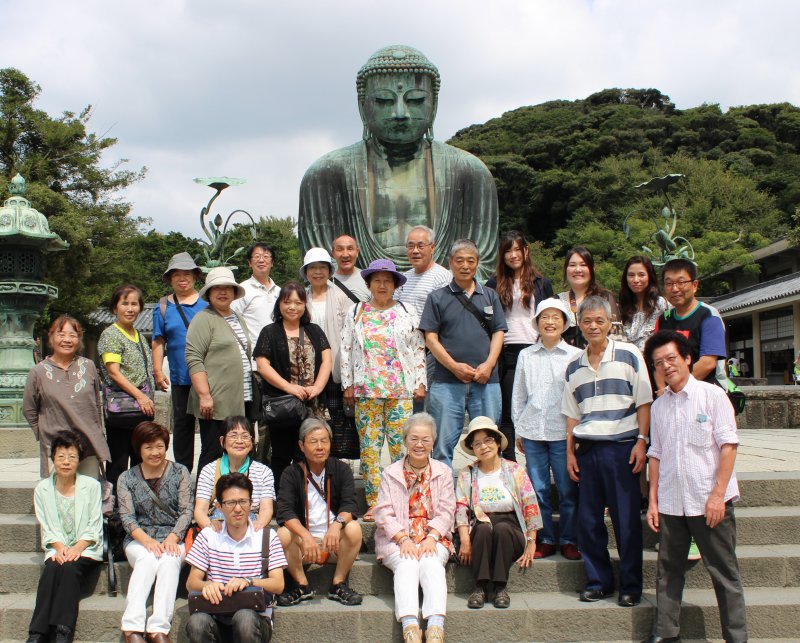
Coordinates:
[640,300]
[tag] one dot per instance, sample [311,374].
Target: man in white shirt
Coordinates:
[347,277]
[424,277]
[230,560]
[692,488]
[260,291]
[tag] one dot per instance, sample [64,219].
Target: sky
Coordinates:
[259,89]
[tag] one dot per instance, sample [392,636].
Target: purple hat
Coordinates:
[384,265]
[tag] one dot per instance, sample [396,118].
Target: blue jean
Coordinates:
[542,457]
[449,400]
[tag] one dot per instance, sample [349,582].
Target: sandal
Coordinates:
[293,597]
[369,517]
[344,594]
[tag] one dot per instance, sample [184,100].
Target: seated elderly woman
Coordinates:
[414,517]
[68,508]
[238,440]
[497,514]
[155,507]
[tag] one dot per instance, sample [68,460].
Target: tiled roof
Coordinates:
[768,291]
[102,317]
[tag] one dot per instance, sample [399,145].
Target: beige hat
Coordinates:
[221,277]
[482,423]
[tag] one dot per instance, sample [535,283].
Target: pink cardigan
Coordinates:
[391,512]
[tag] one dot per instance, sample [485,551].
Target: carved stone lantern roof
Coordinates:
[21,223]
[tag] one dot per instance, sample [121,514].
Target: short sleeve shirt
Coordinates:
[383,376]
[131,352]
[172,329]
[260,475]
[459,332]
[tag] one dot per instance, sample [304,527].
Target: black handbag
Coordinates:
[282,409]
[251,598]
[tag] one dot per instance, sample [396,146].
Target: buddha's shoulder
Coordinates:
[336,160]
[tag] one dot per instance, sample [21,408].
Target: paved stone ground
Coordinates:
[760,451]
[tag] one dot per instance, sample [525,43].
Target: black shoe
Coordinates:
[63,634]
[594,595]
[629,600]
[501,599]
[477,599]
[663,639]
[344,594]
[293,597]
[37,637]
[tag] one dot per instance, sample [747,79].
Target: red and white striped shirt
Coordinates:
[687,431]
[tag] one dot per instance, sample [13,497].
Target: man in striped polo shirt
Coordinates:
[607,404]
[229,561]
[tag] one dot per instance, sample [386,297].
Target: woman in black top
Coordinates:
[294,357]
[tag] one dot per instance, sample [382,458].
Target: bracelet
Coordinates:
[435,537]
[403,539]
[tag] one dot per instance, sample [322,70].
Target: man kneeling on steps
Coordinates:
[317,516]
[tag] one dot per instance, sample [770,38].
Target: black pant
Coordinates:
[495,547]
[210,447]
[718,549]
[508,367]
[182,426]
[285,437]
[58,594]
[119,429]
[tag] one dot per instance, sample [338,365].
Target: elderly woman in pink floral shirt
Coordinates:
[414,516]
[497,514]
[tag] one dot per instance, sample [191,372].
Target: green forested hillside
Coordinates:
[565,172]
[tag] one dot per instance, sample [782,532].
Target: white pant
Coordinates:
[147,569]
[411,574]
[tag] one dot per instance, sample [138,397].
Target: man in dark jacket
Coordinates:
[317,516]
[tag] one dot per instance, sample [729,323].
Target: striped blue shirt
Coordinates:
[604,401]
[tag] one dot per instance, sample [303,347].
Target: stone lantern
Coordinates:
[25,240]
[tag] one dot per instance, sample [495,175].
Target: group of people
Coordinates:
[290,383]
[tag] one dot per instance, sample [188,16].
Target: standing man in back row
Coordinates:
[347,277]
[422,279]
[464,325]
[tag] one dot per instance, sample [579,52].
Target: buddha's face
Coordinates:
[399,108]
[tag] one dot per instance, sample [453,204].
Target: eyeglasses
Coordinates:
[62,457]
[420,245]
[60,335]
[671,285]
[239,437]
[551,318]
[669,359]
[486,443]
[425,441]
[266,257]
[244,503]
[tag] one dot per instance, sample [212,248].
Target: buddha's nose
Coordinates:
[400,108]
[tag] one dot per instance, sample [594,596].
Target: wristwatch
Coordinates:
[645,438]
[249,581]
[341,521]
[434,536]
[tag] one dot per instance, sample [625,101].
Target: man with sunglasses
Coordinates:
[692,488]
[228,561]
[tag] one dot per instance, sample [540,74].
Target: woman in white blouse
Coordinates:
[541,427]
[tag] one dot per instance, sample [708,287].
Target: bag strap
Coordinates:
[345,290]
[144,355]
[154,496]
[325,496]
[247,349]
[473,310]
[265,541]
[180,310]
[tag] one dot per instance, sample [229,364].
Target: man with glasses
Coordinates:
[692,488]
[699,323]
[260,291]
[317,516]
[345,252]
[422,279]
[228,561]
[606,402]
[464,325]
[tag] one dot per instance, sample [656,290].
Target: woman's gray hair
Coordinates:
[420,418]
[312,424]
[463,244]
[424,228]
[595,302]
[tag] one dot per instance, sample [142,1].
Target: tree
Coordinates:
[61,162]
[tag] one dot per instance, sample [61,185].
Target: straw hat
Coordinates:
[221,277]
[482,423]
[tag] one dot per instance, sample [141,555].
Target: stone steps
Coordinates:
[761,566]
[551,616]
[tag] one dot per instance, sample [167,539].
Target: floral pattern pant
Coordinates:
[379,420]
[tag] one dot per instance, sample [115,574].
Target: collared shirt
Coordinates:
[257,305]
[222,558]
[687,431]
[421,284]
[605,400]
[459,332]
[539,389]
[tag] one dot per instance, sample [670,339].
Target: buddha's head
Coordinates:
[398,92]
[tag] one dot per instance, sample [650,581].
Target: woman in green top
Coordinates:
[68,508]
[126,363]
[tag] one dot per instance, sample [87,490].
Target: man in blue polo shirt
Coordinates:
[464,326]
[606,402]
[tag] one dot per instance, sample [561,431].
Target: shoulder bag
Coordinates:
[285,408]
[119,403]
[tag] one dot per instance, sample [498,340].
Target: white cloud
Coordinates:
[259,90]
